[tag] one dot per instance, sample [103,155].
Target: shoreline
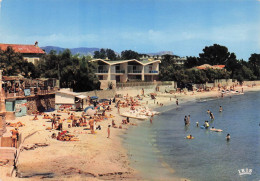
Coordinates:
[94,157]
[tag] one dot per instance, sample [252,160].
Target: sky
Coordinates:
[184,27]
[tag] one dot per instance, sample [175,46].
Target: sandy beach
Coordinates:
[94,156]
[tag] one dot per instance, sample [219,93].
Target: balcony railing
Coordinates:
[153,72]
[120,71]
[102,71]
[135,71]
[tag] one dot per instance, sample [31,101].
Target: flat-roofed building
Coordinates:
[127,70]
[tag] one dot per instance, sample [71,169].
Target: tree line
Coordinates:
[213,55]
[78,72]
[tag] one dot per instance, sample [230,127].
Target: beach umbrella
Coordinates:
[89,107]
[100,108]
[93,97]
[103,100]
[90,112]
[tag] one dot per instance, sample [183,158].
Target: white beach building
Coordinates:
[127,70]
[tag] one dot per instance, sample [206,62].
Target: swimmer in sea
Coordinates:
[208,111]
[189,137]
[206,124]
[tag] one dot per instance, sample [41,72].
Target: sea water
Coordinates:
[161,152]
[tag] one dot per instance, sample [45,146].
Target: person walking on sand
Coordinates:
[53,122]
[60,123]
[108,131]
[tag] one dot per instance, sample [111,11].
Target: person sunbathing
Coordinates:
[18,124]
[124,121]
[108,108]
[35,117]
[46,116]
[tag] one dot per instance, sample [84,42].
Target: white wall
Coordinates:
[61,98]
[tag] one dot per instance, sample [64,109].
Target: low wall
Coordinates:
[104,84]
[251,83]
[9,115]
[40,103]
[135,90]
[223,82]
[101,94]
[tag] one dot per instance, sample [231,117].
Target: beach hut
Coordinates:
[69,99]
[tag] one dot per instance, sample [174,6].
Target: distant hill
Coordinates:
[80,50]
[90,51]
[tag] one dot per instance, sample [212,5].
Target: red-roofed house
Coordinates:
[207,66]
[31,53]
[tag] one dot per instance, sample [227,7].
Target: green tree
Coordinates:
[167,68]
[12,63]
[254,63]
[105,53]
[129,54]
[72,71]
[214,55]
[192,62]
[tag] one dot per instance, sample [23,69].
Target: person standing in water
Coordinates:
[220,109]
[151,119]
[228,137]
[177,102]
[185,120]
[211,115]
[188,119]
